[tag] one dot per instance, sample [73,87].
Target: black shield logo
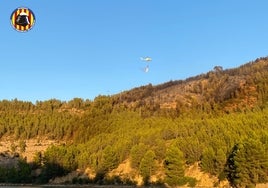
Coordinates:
[22,19]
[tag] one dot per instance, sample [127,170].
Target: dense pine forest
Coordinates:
[218,119]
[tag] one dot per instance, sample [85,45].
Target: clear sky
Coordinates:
[84,48]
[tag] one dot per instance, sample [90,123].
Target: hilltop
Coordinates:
[205,123]
[227,90]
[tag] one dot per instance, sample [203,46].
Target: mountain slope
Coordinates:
[212,119]
[229,90]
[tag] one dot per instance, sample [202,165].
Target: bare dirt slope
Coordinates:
[32,147]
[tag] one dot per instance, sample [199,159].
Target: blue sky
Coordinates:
[85,48]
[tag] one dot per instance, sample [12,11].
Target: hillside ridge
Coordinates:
[213,120]
[240,86]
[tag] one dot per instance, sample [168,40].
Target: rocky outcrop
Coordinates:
[9,160]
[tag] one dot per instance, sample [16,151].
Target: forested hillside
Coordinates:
[224,90]
[218,119]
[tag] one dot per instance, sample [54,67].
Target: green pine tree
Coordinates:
[147,166]
[247,164]
[137,152]
[174,166]
[109,159]
[208,160]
